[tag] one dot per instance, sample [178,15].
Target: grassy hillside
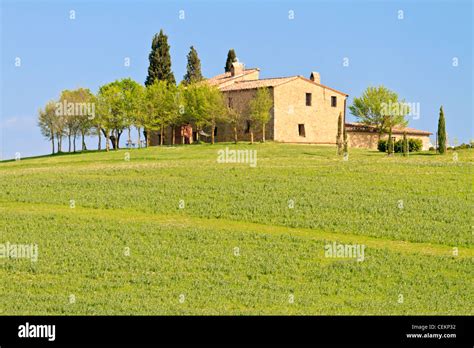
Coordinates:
[171,231]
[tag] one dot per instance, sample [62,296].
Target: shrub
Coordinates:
[462,146]
[398,146]
[415,145]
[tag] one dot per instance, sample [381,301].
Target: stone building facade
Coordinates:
[304,110]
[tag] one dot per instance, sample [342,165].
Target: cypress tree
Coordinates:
[231,57]
[441,132]
[346,143]
[160,60]
[193,69]
[339,134]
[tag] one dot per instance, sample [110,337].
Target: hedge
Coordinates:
[414,145]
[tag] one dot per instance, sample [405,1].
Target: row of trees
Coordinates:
[124,105]
[71,116]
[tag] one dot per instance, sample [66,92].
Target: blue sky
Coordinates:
[413,56]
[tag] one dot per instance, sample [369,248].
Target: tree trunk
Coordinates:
[213,128]
[69,139]
[173,136]
[235,135]
[162,134]
[74,142]
[83,141]
[139,140]
[129,137]
[390,142]
[99,145]
[251,136]
[112,140]
[107,138]
[52,143]
[263,133]
[116,139]
[59,140]
[107,144]
[119,134]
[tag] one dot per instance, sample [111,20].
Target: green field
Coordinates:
[171,231]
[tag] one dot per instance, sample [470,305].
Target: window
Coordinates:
[301,131]
[247,127]
[333,101]
[230,102]
[308,99]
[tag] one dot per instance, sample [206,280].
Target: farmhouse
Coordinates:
[304,111]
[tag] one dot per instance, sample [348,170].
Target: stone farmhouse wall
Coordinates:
[319,118]
[369,140]
[240,101]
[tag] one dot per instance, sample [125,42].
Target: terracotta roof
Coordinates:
[270,82]
[360,127]
[226,77]
[324,86]
[252,84]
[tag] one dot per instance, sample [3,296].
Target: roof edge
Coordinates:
[371,129]
[323,86]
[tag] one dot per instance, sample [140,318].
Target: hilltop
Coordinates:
[170,230]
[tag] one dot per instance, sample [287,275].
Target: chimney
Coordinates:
[315,77]
[236,69]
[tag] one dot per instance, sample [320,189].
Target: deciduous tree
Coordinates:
[160,107]
[47,122]
[260,107]
[380,107]
[108,106]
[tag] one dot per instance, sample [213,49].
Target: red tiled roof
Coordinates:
[252,84]
[270,82]
[226,77]
[226,81]
[360,127]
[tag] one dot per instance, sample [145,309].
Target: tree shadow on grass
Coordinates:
[424,153]
[60,154]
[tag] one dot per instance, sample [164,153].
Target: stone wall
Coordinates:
[319,119]
[369,140]
[240,101]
